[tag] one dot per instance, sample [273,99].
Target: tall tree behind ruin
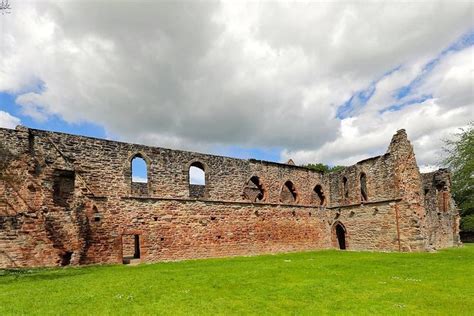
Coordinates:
[460,159]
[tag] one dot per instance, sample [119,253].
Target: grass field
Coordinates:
[323,282]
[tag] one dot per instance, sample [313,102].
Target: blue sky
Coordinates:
[52,123]
[404,95]
[249,82]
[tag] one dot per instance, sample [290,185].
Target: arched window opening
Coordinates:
[340,234]
[318,195]
[197,180]
[254,190]
[197,175]
[139,170]
[288,193]
[363,187]
[345,188]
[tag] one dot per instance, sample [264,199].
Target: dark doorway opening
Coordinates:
[66,258]
[130,247]
[341,236]
[136,253]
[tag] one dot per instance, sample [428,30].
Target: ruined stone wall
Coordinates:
[178,229]
[371,226]
[408,183]
[442,217]
[393,179]
[36,228]
[381,186]
[105,166]
[72,201]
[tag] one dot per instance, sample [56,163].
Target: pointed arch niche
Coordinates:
[319,198]
[254,190]
[288,193]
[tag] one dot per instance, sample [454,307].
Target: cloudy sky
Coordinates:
[312,81]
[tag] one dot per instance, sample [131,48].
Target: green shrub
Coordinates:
[467,223]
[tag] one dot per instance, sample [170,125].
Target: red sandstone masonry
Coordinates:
[68,199]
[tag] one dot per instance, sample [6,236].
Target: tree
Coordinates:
[460,159]
[323,168]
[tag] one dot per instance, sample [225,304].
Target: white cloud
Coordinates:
[8,121]
[427,168]
[427,123]
[197,75]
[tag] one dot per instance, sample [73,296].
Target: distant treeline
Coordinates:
[323,168]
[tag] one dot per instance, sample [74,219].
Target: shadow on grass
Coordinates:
[14,275]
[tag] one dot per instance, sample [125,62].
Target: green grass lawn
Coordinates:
[322,282]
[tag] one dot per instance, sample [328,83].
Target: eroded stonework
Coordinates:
[68,199]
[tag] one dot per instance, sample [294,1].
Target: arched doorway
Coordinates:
[340,234]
